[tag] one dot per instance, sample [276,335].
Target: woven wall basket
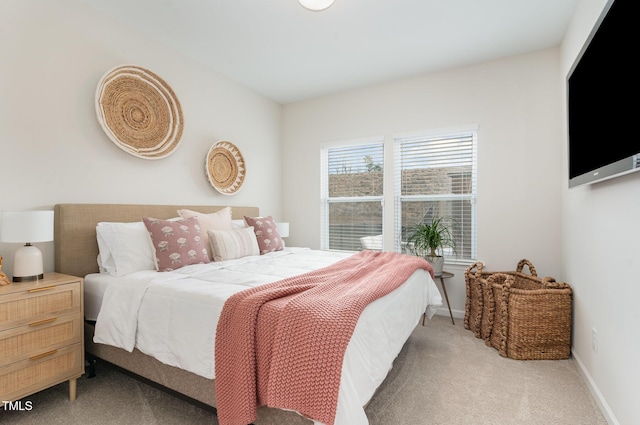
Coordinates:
[139,112]
[225,167]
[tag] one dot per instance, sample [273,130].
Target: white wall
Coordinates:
[600,236]
[52,55]
[516,104]
[53,150]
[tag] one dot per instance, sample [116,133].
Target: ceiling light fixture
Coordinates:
[316,5]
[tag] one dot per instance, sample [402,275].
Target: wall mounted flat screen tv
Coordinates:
[602,99]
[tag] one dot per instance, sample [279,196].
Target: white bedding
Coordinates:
[172,316]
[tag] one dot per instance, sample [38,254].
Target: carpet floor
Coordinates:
[443,375]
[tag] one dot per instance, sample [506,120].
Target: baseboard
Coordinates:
[595,392]
[443,311]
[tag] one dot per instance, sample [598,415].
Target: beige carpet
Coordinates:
[444,375]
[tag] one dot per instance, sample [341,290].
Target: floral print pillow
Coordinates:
[266,231]
[177,243]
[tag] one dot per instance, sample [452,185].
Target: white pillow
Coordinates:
[105,261]
[238,224]
[124,248]
[231,244]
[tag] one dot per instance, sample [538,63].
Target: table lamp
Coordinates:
[316,5]
[27,227]
[283,229]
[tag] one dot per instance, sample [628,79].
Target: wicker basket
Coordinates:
[531,316]
[488,304]
[475,318]
[473,305]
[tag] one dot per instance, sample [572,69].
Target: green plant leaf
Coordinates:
[431,237]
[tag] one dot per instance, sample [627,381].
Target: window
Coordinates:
[435,176]
[352,195]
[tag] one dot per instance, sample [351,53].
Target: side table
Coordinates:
[445,275]
[41,335]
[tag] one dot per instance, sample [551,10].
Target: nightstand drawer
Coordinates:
[40,372]
[38,337]
[40,303]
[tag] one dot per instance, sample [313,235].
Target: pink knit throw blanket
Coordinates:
[282,344]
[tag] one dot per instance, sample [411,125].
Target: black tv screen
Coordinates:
[602,95]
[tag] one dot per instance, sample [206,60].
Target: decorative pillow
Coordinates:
[231,244]
[124,248]
[266,233]
[219,220]
[176,243]
[238,224]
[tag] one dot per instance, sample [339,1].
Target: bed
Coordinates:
[380,328]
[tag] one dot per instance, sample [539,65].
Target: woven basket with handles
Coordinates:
[531,316]
[473,305]
[478,316]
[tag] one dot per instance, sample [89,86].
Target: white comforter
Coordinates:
[172,316]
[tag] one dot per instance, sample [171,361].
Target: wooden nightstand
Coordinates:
[41,335]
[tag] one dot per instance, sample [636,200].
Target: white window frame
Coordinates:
[471,197]
[392,172]
[324,186]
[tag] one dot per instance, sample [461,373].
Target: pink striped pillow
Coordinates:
[231,244]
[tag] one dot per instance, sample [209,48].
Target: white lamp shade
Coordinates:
[283,229]
[316,5]
[27,226]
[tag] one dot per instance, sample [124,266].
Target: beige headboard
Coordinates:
[76,248]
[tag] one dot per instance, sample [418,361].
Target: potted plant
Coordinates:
[428,240]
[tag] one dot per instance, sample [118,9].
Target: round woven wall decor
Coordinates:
[139,112]
[225,167]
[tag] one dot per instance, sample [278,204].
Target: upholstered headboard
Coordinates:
[76,247]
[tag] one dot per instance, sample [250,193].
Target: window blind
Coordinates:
[435,176]
[352,194]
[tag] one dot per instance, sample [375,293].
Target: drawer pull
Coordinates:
[45,288]
[39,356]
[42,322]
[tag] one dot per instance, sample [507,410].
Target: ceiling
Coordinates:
[288,53]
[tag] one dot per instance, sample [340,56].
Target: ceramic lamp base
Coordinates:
[27,264]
